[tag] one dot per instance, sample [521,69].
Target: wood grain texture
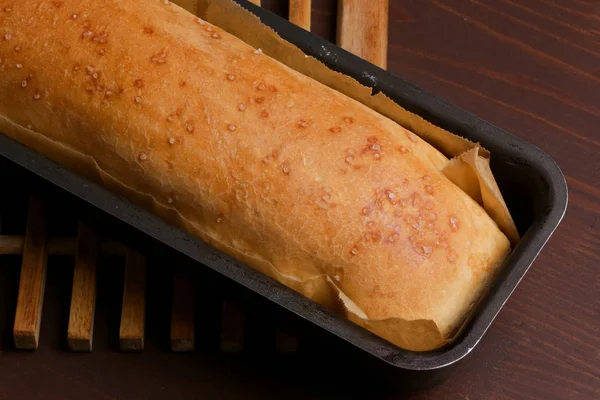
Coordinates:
[300,13]
[32,282]
[532,69]
[80,332]
[182,314]
[133,312]
[362,29]
[524,65]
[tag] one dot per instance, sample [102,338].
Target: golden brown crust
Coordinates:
[296,179]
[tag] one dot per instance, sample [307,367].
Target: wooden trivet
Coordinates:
[35,246]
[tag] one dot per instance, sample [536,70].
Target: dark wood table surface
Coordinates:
[531,67]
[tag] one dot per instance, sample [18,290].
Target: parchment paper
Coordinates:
[469,167]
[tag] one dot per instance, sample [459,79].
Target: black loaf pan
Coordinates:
[532,183]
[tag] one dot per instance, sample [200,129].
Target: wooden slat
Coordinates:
[232,327]
[300,13]
[362,29]
[83,299]
[133,314]
[32,283]
[11,244]
[114,248]
[182,314]
[60,246]
[285,343]
[257,2]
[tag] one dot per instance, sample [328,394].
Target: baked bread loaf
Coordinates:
[297,180]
